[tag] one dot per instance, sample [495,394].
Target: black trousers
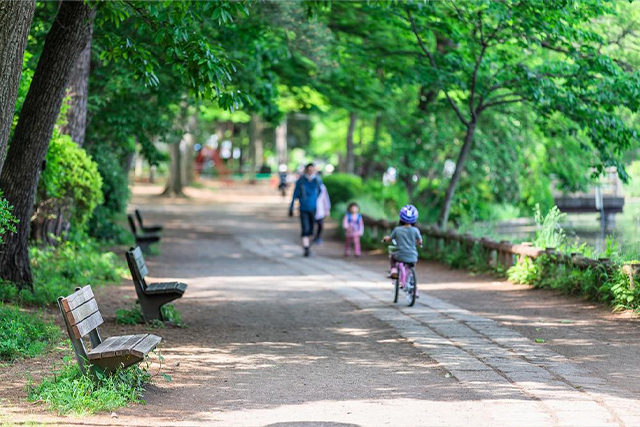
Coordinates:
[320,224]
[307,220]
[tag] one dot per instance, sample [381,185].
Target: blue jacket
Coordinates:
[307,191]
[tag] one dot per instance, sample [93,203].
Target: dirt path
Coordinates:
[278,340]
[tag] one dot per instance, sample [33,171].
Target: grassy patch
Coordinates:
[129,316]
[24,334]
[57,271]
[133,316]
[68,391]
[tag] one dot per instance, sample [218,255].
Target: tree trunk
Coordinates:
[256,147]
[462,158]
[368,164]
[69,34]
[175,185]
[187,154]
[78,90]
[281,143]
[15,20]
[351,157]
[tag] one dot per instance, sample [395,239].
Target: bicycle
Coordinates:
[405,280]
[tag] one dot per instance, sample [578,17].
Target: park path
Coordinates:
[278,340]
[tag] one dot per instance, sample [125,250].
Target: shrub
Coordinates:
[129,316]
[23,334]
[133,316]
[549,233]
[343,187]
[104,224]
[70,186]
[69,391]
[7,220]
[57,271]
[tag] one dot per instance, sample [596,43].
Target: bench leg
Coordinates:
[151,305]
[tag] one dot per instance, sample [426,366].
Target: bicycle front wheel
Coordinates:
[411,287]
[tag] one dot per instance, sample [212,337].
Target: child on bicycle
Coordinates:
[353,229]
[407,236]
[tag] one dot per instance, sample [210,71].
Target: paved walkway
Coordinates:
[278,340]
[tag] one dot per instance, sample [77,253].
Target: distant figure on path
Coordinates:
[354,228]
[323,209]
[283,175]
[307,191]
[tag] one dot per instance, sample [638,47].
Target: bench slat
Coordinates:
[80,313]
[140,263]
[77,298]
[166,287]
[87,325]
[116,346]
[122,345]
[146,345]
[132,342]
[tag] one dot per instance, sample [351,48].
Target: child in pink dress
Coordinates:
[354,228]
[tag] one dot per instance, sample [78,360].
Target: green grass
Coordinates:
[24,334]
[133,316]
[57,271]
[68,391]
[129,316]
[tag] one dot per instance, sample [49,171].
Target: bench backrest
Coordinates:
[132,224]
[81,312]
[139,216]
[138,267]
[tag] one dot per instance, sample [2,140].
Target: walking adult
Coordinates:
[306,191]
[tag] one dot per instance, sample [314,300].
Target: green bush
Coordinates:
[70,183]
[343,187]
[7,220]
[71,392]
[133,316]
[58,270]
[549,233]
[129,316]
[24,334]
[106,219]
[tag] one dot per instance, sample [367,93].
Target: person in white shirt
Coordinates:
[323,208]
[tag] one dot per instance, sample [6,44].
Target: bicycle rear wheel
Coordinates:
[396,288]
[411,287]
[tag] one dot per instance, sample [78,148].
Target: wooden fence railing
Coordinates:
[503,253]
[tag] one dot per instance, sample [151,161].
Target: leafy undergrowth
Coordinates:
[58,270]
[24,334]
[69,391]
[133,316]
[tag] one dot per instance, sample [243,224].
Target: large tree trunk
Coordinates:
[69,34]
[256,147]
[175,183]
[187,155]
[53,220]
[453,184]
[15,20]
[76,126]
[281,143]
[351,156]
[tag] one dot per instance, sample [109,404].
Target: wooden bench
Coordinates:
[82,317]
[151,296]
[143,240]
[149,228]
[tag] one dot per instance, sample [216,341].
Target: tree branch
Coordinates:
[432,61]
[506,101]
[474,78]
